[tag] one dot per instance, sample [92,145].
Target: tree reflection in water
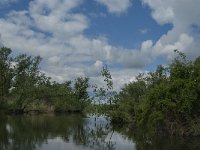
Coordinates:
[74,131]
[158,142]
[32,132]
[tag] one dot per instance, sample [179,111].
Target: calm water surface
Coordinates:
[77,132]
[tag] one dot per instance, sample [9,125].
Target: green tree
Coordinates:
[166,100]
[105,94]
[126,103]
[81,86]
[26,81]
[6,73]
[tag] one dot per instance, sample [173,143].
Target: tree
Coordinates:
[80,91]
[26,80]
[166,100]
[105,94]
[6,73]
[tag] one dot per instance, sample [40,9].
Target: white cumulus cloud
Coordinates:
[182,15]
[52,30]
[116,6]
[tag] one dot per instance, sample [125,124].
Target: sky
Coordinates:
[78,37]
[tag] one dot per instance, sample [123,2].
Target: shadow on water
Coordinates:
[155,142]
[77,132]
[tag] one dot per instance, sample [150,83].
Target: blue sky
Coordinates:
[76,38]
[128,30]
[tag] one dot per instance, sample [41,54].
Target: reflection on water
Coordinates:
[59,132]
[77,132]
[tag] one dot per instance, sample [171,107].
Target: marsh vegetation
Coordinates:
[164,102]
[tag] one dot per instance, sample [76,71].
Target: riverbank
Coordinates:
[164,101]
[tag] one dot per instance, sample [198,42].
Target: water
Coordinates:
[77,132]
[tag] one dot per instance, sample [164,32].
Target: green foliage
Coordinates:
[107,77]
[164,101]
[62,96]
[80,88]
[105,94]
[127,101]
[80,92]
[24,88]
[6,74]
[25,84]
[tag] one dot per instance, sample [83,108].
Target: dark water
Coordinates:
[77,132]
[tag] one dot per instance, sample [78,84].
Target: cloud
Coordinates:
[144,31]
[182,15]
[170,11]
[54,17]
[121,77]
[3,2]
[94,70]
[1,42]
[116,6]
[52,30]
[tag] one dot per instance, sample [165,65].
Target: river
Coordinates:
[78,132]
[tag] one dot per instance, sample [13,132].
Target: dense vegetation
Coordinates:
[24,88]
[164,101]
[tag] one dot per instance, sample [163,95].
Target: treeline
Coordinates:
[24,88]
[164,101]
